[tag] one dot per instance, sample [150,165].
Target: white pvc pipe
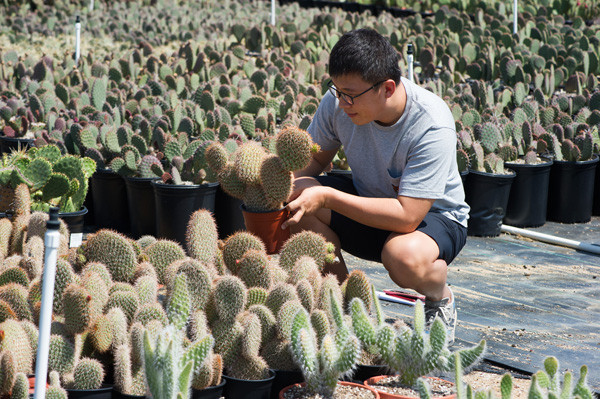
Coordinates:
[51,242]
[273,12]
[77,40]
[595,249]
[410,60]
[91,5]
[515,10]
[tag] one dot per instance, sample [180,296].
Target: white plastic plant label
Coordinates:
[75,240]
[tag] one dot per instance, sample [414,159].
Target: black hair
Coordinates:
[366,53]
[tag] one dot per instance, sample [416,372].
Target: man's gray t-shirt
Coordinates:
[415,157]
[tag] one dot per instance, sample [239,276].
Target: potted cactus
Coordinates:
[323,360]
[412,353]
[488,182]
[528,199]
[263,181]
[186,186]
[361,300]
[572,175]
[238,339]
[138,174]
[49,179]
[169,365]
[53,179]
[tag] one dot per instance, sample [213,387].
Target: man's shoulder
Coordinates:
[429,109]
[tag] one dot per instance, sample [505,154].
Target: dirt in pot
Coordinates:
[486,376]
[341,392]
[392,385]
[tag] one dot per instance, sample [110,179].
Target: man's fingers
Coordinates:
[294,219]
[293,196]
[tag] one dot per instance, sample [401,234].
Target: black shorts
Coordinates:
[367,242]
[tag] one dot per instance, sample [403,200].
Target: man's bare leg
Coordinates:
[412,262]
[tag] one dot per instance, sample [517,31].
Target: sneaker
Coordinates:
[446,311]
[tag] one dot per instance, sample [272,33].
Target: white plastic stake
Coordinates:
[51,242]
[273,12]
[410,60]
[77,40]
[565,242]
[515,10]
[91,5]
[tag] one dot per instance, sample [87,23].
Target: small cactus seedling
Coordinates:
[546,384]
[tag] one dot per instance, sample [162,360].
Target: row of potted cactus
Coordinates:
[223,306]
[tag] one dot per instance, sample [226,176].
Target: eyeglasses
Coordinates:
[348,99]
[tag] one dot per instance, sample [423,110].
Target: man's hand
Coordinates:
[305,201]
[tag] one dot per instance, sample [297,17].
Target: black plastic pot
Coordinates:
[463,176]
[401,13]
[528,199]
[305,3]
[374,9]
[596,206]
[7,144]
[75,222]
[209,393]
[228,214]
[248,389]
[110,201]
[571,191]
[284,378]
[141,205]
[89,204]
[102,393]
[175,203]
[487,195]
[325,3]
[350,7]
[118,395]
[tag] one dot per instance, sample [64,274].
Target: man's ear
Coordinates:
[389,87]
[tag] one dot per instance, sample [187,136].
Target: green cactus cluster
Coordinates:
[323,363]
[114,251]
[413,353]
[262,180]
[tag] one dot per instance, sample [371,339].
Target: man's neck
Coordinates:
[395,107]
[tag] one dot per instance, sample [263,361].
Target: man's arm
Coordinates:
[401,215]
[319,162]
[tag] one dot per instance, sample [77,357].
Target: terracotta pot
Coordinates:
[351,384]
[31,379]
[267,226]
[386,395]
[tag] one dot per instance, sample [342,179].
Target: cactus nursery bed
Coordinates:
[112,90]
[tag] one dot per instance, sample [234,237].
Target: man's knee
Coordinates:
[304,182]
[408,255]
